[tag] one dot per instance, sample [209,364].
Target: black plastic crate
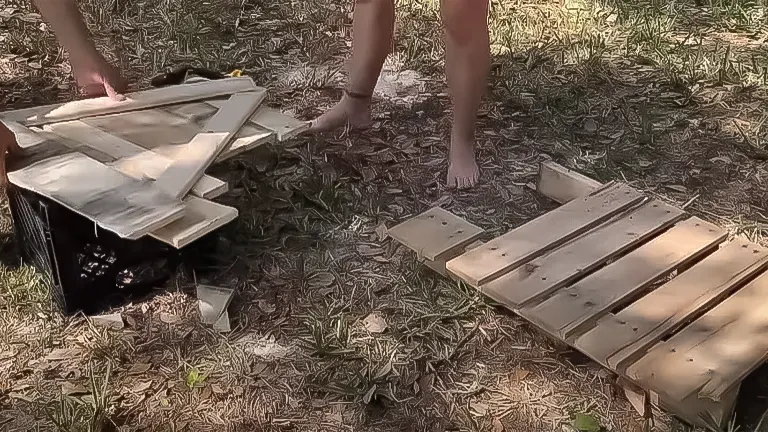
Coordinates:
[88,268]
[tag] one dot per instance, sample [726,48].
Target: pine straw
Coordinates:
[644,93]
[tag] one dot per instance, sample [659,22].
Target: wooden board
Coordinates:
[200,218]
[434,233]
[180,176]
[569,311]
[626,336]
[715,352]
[286,127]
[116,202]
[129,158]
[166,133]
[542,276]
[505,253]
[562,184]
[134,101]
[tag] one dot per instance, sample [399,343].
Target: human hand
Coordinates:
[8,145]
[96,77]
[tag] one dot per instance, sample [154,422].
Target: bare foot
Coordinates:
[463,172]
[352,112]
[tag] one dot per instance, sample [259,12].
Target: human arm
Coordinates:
[91,71]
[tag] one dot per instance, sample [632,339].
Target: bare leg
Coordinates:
[373,24]
[467,52]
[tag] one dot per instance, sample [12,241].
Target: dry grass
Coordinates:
[666,96]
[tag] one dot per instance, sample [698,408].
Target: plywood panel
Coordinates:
[177,180]
[536,237]
[626,336]
[434,233]
[134,101]
[569,311]
[533,281]
[715,352]
[116,202]
[129,158]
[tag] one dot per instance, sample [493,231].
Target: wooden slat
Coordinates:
[434,233]
[715,352]
[166,133]
[533,281]
[626,336]
[129,158]
[286,127]
[134,101]
[116,202]
[536,237]
[185,171]
[562,184]
[567,313]
[200,218]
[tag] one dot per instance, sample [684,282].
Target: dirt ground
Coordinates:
[332,328]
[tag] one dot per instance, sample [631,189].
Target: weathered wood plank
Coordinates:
[129,158]
[434,233]
[538,278]
[187,169]
[562,184]
[133,101]
[569,312]
[116,202]
[714,353]
[505,253]
[626,336]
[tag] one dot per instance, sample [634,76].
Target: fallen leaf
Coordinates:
[479,409]
[368,397]
[112,320]
[520,374]
[217,389]
[590,125]
[141,387]
[14,395]
[139,368]
[168,318]
[62,354]
[206,393]
[321,279]
[368,251]
[381,231]
[71,389]
[586,423]
[375,323]
[266,307]
[497,426]
[677,188]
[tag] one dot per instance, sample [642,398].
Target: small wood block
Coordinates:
[133,101]
[116,202]
[434,233]
[200,218]
[177,180]
[505,253]
[533,281]
[129,158]
[562,184]
[626,336]
[571,310]
[716,352]
[213,302]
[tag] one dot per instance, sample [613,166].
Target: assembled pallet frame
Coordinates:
[662,298]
